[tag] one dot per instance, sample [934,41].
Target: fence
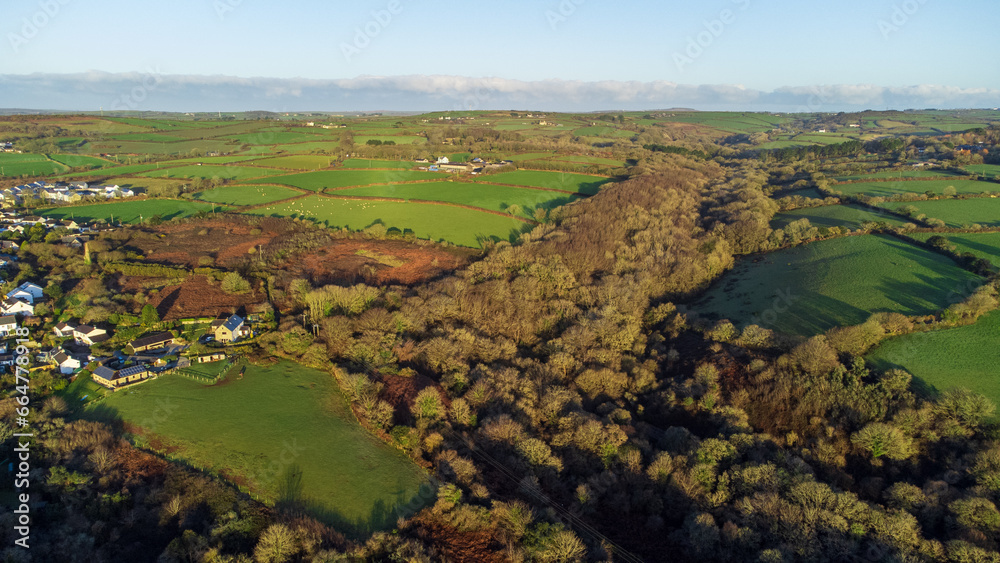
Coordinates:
[232,364]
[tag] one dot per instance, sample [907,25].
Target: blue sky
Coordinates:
[757,45]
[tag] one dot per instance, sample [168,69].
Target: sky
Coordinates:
[571,55]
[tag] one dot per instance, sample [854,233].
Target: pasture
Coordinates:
[129,211]
[210,171]
[15,165]
[900,174]
[846,216]
[398,139]
[372,163]
[74,160]
[116,170]
[982,245]
[967,357]
[484,196]
[247,195]
[957,212]
[987,170]
[297,162]
[437,222]
[576,183]
[916,187]
[809,289]
[287,431]
[319,181]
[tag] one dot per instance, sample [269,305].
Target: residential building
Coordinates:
[89,335]
[67,363]
[12,306]
[28,291]
[8,324]
[230,330]
[113,379]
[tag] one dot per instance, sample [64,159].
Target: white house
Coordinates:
[67,364]
[89,335]
[14,306]
[64,329]
[28,291]
[8,323]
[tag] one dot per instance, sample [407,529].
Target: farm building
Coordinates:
[230,330]
[153,341]
[211,358]
[113,379]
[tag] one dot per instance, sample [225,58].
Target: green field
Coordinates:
[591,160]
[74,160]
[809,289]
[982,245]
[297,162]
[129,211]
[116,170]
[463,227]
[155,137]
[958,212]
[273,138]
[530,156]
[275,424]
[484,196]
[398,139]
[914,173]
[577,183]
[848,216]
[945,359]
[889,189]
[988,170]
[214,171]
[13,165]
[369,163]
[247,195]
[318,181]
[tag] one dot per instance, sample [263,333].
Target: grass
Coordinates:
[463,227]
[958,212]
[945,359]
[848,216]
[398,139]
[298,162]
[273,137]
[591,160]
[14,165]
[247,195]
[939,174]
[889,189]
[74,160]
[988,170]
[485,196]
[155,137]
[116,170]
[369,163]
[318,181]
[214,171]
[278,425]
[530,156]
[982,245]
[809,289]
[129,211]
[577,183]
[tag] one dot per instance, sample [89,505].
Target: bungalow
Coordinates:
[28,291]
[67,364]
[113,379]
[8,324]
[153,341]
[89,335]
[64,329]
[11,306]
[230,330]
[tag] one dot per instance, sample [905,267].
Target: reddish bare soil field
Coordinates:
[377,262]
[197,298]
[226,240]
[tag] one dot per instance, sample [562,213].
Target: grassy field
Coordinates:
[214,171]
[247,195]
[74,160]
[277,425]
[116,170]
[370,163]
[578,183]
[297,162]
[811,288]
[318,181]
[485,196]
[848,216]
[958,212]
[913,173]
[983,245]
[129,211]
[463,227]
[398,139]
[13,165]
[941,360]
[988,170]
[888,189]
[600,161]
